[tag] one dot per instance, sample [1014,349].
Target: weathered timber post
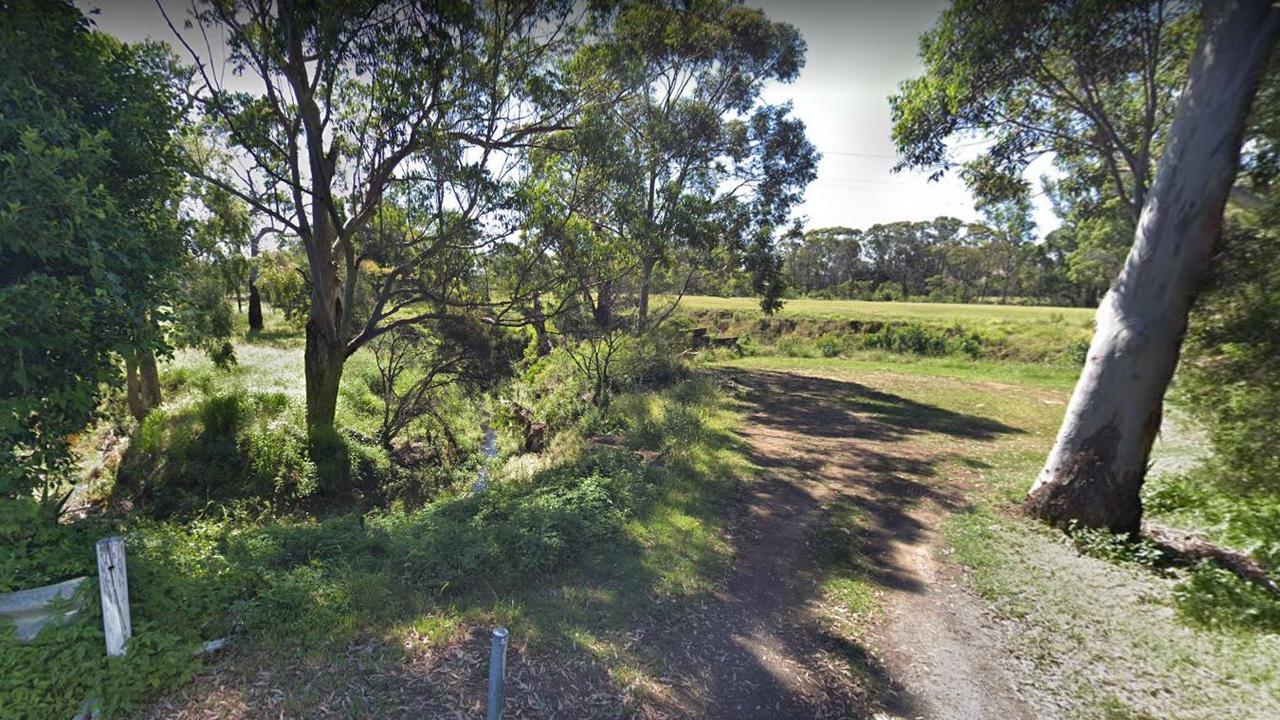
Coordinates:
[113,585]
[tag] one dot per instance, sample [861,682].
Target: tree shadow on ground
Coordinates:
[827,408]
[720,624]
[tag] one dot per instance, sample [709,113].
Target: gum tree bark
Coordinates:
[1094,473]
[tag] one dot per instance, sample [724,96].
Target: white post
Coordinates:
[113,584]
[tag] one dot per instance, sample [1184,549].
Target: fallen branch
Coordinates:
[1189,548]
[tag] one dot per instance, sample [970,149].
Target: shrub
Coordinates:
[1117,548]
[830,346]
[908,338]
[509,531]
[1077,352]
[38,551]
[1230,375]
[181,587]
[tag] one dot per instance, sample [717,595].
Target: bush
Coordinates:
[509,531]
[1117,548]
[908,338]
[1078,352]
[1230,371]
[1210,499]
[181,587]
[831,346]
[39,551]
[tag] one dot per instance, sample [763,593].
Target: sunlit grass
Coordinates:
[868,310]
[1038,374]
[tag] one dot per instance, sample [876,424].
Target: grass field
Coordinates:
[830,328]
[900,311]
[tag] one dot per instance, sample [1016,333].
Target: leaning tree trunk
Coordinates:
[1094,473]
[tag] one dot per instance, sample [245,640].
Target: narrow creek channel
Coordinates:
[488,451]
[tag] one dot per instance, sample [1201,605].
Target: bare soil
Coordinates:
[763,650]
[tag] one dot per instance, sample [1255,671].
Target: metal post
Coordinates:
[497,669]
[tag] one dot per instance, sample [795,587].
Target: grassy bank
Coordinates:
[834,328]
[566,548]
[902,311]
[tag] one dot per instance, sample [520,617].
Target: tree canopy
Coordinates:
[89,234]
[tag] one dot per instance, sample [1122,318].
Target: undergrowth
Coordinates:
[294,582]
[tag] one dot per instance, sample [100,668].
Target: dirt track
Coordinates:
[765,645]
[762,650]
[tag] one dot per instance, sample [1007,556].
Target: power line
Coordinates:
[862,155]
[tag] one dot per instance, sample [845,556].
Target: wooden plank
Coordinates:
[113,584]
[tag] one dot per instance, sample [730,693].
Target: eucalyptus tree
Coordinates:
[1094,474]
[355,102]
[823,258]
[687,162]
[1093,83]
[90,242]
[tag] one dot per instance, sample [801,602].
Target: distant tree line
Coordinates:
[949,260]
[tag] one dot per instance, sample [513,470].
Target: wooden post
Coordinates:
[113,584]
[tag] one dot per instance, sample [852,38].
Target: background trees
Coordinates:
[684,169]
[361,101]
[943,260]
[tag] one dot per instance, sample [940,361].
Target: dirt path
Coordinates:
[763,649]
[768,645]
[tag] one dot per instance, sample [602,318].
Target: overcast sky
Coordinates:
[859,50]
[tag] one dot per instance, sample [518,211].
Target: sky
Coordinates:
[858,52]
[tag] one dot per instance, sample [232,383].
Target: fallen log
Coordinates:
[1189,548]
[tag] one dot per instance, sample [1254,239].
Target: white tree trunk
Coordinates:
[1094,474]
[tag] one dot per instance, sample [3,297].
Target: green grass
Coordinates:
[905,311]
[1102,635]
[831,328]
[1008,372]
